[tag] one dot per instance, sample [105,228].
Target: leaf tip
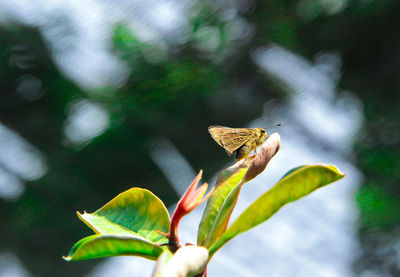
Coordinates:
[260,161]
[81,215]
[67,258]
[337,171]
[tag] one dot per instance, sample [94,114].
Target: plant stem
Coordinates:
[173,240]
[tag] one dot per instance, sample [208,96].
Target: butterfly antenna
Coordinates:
[276,125]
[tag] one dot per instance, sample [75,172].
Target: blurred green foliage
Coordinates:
[177,94]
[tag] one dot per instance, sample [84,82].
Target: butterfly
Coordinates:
[239,140]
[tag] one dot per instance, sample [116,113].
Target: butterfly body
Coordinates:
[239,140]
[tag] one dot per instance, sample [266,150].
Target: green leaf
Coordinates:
[130,224]
[135,212]
[220,205]
[222,202]
[293,186]
[98,246]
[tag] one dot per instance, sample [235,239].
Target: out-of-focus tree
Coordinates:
[174,89]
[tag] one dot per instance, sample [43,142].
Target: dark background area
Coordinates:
[176,98]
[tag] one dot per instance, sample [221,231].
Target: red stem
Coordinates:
[173,238]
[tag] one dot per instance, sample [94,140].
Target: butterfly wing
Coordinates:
[230,138]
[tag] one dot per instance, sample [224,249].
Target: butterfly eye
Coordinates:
[263,131]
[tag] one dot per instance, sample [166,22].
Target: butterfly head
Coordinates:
[262,134]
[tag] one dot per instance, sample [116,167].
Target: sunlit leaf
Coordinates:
[217,212]
[136,212]
[98,246]
[222,202]
[296,184]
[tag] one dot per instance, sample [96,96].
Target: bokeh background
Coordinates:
[99,96]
